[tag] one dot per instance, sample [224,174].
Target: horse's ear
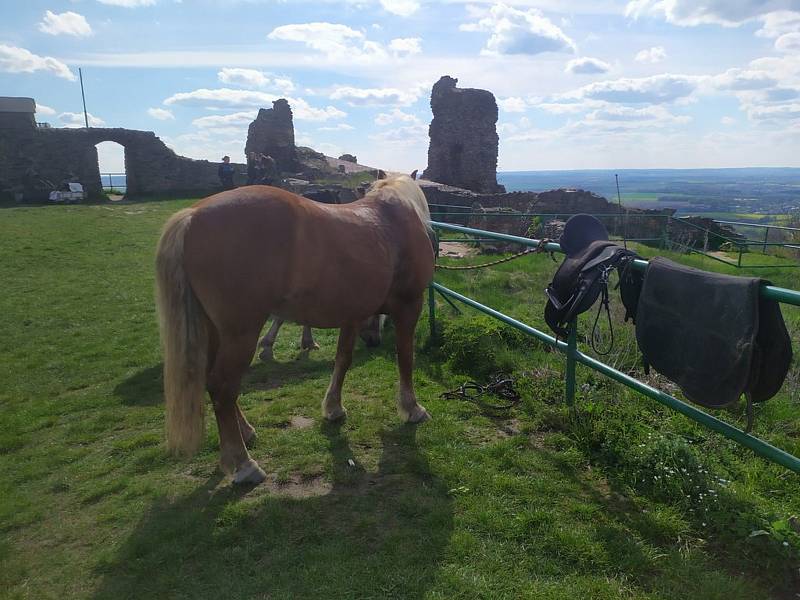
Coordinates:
[414,174]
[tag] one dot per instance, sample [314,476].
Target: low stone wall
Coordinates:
[500,212]
[34,161]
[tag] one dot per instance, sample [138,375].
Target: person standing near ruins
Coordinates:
[225,173]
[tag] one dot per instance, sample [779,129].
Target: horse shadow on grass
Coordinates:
[368,535]
[146,387]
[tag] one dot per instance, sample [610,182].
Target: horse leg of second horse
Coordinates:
[307,340]
[224,381]
[405,321]
[269,340]
[332,408]
[247,430]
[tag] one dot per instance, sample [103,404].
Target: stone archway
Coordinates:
[111,162]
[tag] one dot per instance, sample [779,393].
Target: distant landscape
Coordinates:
[752,194]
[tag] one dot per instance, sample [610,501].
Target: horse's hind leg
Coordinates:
[332,408]
[224,382]
[405,321]
[269,340]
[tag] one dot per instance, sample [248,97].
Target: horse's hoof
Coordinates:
[307,348]
[418,415]
[249,474]
[335,415]
[266,354]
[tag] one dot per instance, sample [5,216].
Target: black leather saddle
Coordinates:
[712,334]
[583,276]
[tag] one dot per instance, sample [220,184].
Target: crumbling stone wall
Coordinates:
[35,160]
[272,133]
[463,138]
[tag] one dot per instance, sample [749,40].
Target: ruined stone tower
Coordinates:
[463,138]
[272,133]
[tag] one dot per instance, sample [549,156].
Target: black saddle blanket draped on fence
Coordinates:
[712,334]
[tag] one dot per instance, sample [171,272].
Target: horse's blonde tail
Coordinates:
[184,338]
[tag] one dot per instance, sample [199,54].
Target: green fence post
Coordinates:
[766,239]
[572,347]
[432,311]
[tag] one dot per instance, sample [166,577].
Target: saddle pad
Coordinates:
[702,331]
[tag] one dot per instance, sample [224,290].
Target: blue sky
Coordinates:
[600,84]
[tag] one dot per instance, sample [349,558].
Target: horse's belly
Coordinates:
[324,317]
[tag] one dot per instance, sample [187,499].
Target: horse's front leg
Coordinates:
[405,322]
[332,408]
[269,340]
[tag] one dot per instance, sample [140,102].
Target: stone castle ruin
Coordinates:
[34,160]
[463,138]
[272,134]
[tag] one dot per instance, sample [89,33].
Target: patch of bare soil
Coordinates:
[300,422]
[456,249]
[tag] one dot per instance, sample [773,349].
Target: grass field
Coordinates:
[620,499]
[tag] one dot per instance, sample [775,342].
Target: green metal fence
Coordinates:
[666,238]
[574,356]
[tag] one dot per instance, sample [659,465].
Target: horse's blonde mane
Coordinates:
[406,190]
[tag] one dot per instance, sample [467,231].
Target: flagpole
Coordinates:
[85,114]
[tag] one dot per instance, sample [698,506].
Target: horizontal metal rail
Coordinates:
[762,225]
[759,446]
[527,214]
[772,292]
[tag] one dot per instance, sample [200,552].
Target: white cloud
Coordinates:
[651,55]
[162,114]
[407,135]
[516,31]
[20,60]
[66,23]
[230,98]
[405,46]
[255,79]
[649,115]
[700,12]
[70,119]
[224,121]
[780,112]
[395,115]
[403,8]
[788,42]
[727,121]
[335,40]
[645,90]
[741,80]
[339,127]
[43,110]
[586,66]
[128,3]
[374,96]
[512,104]
[777,23]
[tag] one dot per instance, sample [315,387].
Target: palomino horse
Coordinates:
[231,260]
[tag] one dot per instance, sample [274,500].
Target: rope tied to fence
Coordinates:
[541,247]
